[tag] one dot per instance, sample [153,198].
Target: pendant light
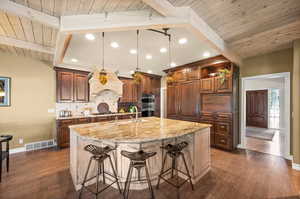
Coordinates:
[137,77]
[169,77]
[103,78]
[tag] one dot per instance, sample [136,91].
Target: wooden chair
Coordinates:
[4,154]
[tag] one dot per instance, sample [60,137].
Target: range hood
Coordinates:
[113,84]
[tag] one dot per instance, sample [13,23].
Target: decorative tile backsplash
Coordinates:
[106,96]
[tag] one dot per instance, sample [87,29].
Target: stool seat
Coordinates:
[98,151]
[138,156]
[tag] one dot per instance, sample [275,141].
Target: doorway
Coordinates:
[265,114]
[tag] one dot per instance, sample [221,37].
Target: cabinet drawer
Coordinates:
[222,142]
[224,116]
[222,128]
[65,122]
[83,120]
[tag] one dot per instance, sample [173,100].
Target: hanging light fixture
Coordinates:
[137,77]
[103,78]
[169,77]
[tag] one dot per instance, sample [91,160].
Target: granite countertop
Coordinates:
[89,116]
[147,130]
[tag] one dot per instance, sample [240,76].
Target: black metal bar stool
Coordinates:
[99,154]
[4,154]
[174,152]
[137,161]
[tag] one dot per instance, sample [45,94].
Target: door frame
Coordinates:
[287,102]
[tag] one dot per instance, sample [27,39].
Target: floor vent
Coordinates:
[40,145]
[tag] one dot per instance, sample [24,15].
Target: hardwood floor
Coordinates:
[274,147]
[244,174]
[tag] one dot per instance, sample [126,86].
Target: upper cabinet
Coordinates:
[71,85]
[130,90]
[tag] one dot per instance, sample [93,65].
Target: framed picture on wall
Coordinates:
[5,89]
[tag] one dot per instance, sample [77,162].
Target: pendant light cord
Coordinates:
[137,49]
[102,50]
[170,51]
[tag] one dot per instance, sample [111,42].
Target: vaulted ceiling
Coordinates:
[249,27]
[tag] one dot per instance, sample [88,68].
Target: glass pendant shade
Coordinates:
[103,78]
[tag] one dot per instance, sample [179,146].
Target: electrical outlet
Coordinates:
[51,110]
[21,141]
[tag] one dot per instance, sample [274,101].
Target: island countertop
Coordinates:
[147,130]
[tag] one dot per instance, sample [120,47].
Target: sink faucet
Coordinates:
[136,112]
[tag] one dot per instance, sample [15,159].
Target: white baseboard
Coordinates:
[296,166]
[17,150]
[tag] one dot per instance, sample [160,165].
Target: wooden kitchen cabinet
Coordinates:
[81,90]
[130,90]
[224,87]
[64,86]
[207,85]
[197,94]
[71,85]
[172,101]
[63,131]
[188,101]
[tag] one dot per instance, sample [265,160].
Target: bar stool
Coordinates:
[174,152]
[99,154]
[137,161]
[4,154]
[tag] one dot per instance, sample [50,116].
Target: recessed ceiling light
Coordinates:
[182,41]
[206,54]
[74,60]
[149,71]
[148,56]
[114,44]
[163,50]
[90,36]
[173,64]
[133,51]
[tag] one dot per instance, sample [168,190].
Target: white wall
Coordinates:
[268,83]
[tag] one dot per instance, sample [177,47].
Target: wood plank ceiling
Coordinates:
[24,29]
[251,27]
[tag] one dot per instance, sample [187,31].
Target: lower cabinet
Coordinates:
[221,130]
[63,131]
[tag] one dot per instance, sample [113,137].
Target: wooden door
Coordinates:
[207,85]
[81,90]
[257,108]
[64,86]
[189,100]
[223,87]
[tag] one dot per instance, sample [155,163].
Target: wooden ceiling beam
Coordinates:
[118,21]
[196,25]
[25,45]
[34,15]
[62,44]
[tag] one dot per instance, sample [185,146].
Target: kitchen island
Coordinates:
[148,134]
